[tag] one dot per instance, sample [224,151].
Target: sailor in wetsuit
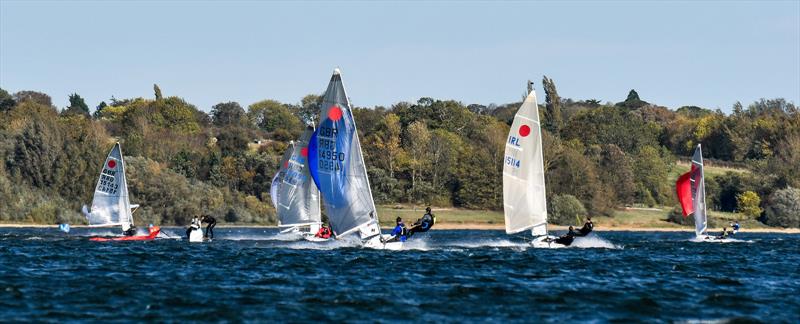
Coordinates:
[212,222]
[587,227]
[724,234]
[567,239]
[399,232]
[423,224]
[131,231]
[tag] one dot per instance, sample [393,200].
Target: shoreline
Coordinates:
[482,226]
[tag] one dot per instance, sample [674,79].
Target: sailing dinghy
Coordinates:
[110,205]
[691,189]
[294,194]
[337,167]
[524,199]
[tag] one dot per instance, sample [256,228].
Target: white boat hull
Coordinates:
[313,238]
[376,243]
[196,235]
[546,242]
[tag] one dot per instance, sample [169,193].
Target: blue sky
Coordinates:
[706,53]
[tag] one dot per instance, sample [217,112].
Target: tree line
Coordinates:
[183,161]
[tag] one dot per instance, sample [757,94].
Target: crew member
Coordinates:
[399,232]
[587,227]
[195,225]
[423,224]
[735,227]
[324,232]
[131,231]
[724,234]
[212,222]
[567,239]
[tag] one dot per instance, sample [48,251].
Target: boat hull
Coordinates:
[546,242]
[196,235]
[150,237]
[376,243]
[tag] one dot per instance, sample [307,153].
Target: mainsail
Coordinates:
[293,192]
[691,189]
[337,165]
[110,205]
[524,201]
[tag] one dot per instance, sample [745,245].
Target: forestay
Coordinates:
[294,193]
[524,201]
[110,205]
[337,165]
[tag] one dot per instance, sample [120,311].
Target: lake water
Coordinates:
[255,275]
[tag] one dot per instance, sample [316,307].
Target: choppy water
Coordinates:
[447,276]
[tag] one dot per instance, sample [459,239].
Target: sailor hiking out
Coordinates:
[423,224]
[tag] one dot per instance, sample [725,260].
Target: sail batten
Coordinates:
[524,200]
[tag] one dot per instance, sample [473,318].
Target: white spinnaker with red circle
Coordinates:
[110,206]
[524,201]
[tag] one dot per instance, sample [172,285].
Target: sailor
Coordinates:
[724,234]
[131,231]
[567,239]
[212,222]
[399,232]
[735,227]
[195,225]
[587,227]
[423,224]
[324,232]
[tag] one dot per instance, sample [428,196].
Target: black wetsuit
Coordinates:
[212,222]
[566,239]
[586,229]
[422,225]
[130,232]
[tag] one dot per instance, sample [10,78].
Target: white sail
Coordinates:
[699,192]
[524,201]
[110,206]
[296,196]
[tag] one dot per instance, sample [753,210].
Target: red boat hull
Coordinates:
[153,233]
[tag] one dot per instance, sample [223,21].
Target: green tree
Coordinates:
[157,92]
[632,101]
[228,113]
[417,139]
[566,210]
[271,116]
[748,203]
[6,101]
[553,120]
[77,106]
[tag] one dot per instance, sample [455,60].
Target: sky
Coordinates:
[704,53]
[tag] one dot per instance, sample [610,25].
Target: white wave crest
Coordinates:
[593,241]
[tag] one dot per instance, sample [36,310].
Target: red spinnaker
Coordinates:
[684,188]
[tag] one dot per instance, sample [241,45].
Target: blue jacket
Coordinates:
[398,231]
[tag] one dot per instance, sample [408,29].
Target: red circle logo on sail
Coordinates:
[111,164]
[304,152]
[335,113]
[524,130]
